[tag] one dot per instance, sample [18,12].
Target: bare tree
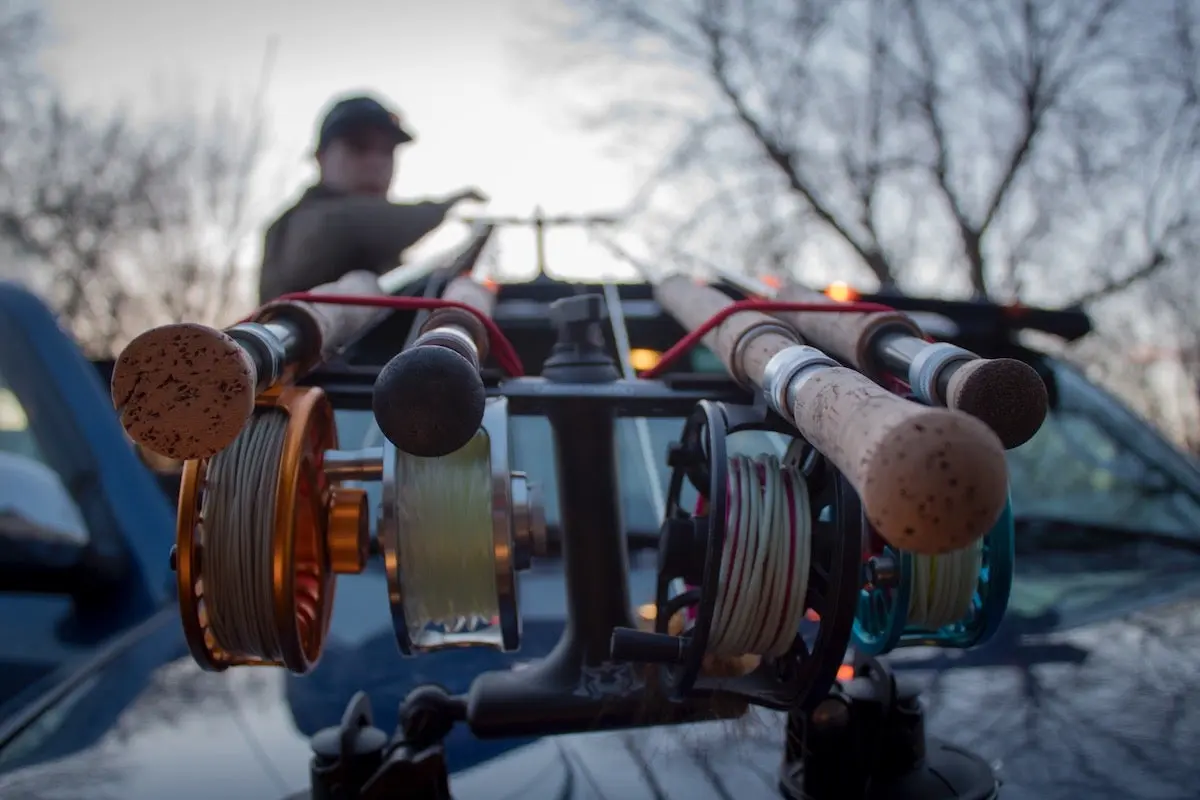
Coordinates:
[1158,371]
[122,222]
[994,147]
[1147,347]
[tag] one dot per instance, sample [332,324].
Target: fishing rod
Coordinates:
[870,434]
[185,390]
[1006,394]
[429,398]
[908,596]
[455,260]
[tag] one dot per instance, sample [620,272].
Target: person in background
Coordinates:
[345,222]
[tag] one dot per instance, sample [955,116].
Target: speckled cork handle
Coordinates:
[328,328]
[1005,393]
[185,391]
[847,335]
[693,303]
[931,480]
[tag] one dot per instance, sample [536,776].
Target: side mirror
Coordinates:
[44,542]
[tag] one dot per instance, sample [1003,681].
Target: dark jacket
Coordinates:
[327,234]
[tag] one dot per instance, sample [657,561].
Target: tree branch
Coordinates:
[777,154]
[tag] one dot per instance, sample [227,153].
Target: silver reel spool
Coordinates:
[454,532]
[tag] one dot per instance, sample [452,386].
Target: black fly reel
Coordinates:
[691,548]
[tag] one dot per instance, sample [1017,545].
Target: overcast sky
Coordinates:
[458,71]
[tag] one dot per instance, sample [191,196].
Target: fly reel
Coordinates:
[956,600]
[454,531]
[770,562]
[262,533]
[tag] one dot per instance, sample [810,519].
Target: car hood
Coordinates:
[1062,709]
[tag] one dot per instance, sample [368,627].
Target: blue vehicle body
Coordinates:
[1065,710]
[128,517]
[1088,689]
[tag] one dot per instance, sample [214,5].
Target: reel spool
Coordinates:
[454,531]
[789,530]
[262,533]
[955,601]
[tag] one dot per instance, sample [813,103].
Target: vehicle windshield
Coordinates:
[1095,463]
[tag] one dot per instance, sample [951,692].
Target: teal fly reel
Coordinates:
[904,601]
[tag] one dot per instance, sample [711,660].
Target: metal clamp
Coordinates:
[266,344]
[452,338]
[783,370]
[928,364]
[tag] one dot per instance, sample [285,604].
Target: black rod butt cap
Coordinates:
[428,401]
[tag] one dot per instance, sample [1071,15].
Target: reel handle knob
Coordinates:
[629,644]
[348,536]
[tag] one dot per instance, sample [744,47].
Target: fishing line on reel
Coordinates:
[769,561]
[954,600]
[262,533]
[454,531]
[764,566]
[237,520]
[950,600]
[943,587]
[444,509]
[767,550]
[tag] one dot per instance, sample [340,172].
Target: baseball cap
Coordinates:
[351,113]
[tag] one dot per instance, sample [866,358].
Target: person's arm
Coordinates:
[325,239]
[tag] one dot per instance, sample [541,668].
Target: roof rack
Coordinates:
[971,319]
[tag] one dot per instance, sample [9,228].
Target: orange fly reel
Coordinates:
[317,531]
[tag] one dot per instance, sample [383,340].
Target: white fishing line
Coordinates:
[943,587]
[765,560]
